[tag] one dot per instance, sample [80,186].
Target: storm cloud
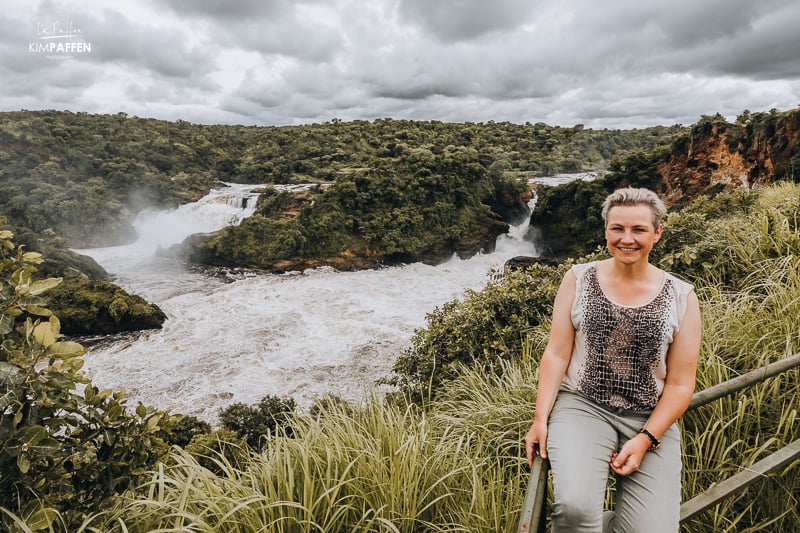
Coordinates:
[621,63]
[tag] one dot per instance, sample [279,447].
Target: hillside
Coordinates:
[712,156]
[390,190]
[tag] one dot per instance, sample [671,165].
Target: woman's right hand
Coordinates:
[536,441]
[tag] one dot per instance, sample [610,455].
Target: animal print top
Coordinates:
[619,352]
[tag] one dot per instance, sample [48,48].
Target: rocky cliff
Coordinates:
[720,156]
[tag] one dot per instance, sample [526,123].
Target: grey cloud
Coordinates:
[292,36]
[166,52]
[229,9]
[272,27]
[456,20]
[604,64]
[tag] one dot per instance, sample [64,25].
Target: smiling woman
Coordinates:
[617,373]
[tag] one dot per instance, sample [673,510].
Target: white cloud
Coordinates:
[621,63]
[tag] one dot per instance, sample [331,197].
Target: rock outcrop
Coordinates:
[720,156]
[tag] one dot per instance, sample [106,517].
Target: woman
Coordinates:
[617,373]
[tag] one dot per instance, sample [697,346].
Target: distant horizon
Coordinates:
[371,120]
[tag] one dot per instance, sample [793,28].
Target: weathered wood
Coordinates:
[745,380]
[737,482]
[532,509]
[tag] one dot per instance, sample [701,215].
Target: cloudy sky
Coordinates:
[615,63]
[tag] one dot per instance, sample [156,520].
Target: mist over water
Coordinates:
[239,338]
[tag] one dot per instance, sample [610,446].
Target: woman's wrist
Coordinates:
[653,442]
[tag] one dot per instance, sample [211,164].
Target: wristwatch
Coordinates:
[654,442]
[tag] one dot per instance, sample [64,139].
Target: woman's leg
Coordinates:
[650,498]
[580,441]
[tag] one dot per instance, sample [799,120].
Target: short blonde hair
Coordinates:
[634,196]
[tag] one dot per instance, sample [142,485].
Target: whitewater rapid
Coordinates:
[237,338]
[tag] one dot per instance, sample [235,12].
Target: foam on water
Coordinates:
[300,334]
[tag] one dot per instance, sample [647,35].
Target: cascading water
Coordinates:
[300,334]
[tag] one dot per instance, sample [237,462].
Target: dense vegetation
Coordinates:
[65,444]
[444,453]
[84,176]
[453,461]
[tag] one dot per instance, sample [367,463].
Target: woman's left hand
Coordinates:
[628,459]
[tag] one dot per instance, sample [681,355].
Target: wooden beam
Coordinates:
[716,493]
[745,380]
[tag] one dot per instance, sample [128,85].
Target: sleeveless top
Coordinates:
[619,352]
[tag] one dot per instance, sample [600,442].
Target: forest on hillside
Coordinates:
[389,191]
[83,177]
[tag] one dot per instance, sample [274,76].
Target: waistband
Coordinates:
[619,411]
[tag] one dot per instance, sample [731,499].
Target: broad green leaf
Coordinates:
[42,519]
[141,410]
[55,325]
[46,446]
[13,311]
[31,299]
[7,399]
[44,335]
[66,349]
[31,256]
[31,435]
[41,285]
[38,310]
[103,394]
[152,423]
[5,234]
[57,380]
[23,463]
[9,374]
[6,324]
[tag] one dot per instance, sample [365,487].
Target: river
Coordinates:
[237,337]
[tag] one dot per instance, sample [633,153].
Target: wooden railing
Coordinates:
[534,509]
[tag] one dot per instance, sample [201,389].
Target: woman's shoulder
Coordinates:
[681,286]
[579,269]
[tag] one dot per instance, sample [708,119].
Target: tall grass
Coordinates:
[459,464]
[379,468]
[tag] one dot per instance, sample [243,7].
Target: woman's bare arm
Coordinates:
[553,365]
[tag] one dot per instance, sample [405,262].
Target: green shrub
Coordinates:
[255,422]
[62,449]
[219,451]
[179,430]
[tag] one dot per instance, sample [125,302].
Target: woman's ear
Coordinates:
[658,232]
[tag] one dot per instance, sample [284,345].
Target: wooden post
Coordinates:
[533,508]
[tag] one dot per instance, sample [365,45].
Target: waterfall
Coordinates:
[222,207]
[301,334]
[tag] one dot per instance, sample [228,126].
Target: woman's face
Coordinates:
[630,234]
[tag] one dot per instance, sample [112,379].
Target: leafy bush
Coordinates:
[179,430]
[65,445]
[479,331]
[255,422]
[219,451]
